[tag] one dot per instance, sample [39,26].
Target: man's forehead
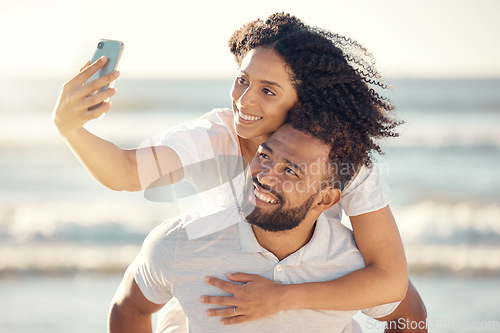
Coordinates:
[296,146]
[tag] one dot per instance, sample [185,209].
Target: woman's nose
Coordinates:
[247,98]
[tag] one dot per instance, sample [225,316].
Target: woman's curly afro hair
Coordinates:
[335,79]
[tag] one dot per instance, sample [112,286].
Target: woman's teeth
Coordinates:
[248,117]
[264,198]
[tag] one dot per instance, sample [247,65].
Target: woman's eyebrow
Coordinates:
[271,83]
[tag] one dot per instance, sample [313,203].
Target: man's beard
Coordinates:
[279,219]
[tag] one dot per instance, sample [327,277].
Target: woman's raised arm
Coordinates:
[112,166]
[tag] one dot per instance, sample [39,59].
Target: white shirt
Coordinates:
[171,264]
[212,139]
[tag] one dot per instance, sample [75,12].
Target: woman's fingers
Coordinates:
[218,300]
[86,73]
[97,112]
[224,285]
[241,277]
[78,103]
[97,98]
[97,84]
[235,320]
[87,64]
[226,312]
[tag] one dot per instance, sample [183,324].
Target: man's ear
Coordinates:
[328,197]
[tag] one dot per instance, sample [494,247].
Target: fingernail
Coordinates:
[116,73]
[202,299]
[102,58]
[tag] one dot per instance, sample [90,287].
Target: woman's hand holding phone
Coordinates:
[73,108]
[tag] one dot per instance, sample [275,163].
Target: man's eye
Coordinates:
[264,156]
[291,172]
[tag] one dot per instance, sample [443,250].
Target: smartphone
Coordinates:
[113,50]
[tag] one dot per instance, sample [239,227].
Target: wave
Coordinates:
[427,222]
[89,223]
[72,258]
[449,223]
[43,258]
[61,238]
[423,127]
[447,129]
[465,259]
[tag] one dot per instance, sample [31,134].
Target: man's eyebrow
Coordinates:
[266,147]
[271,83]
[294,166]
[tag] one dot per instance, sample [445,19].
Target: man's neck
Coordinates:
[284,243]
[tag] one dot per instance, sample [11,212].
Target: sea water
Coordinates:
[65,239]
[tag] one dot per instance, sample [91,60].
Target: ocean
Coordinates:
[65,240]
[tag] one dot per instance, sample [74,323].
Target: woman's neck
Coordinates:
[249,146]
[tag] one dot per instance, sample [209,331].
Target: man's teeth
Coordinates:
[264,198]
[248,117]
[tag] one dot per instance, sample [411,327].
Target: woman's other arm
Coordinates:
[383,280]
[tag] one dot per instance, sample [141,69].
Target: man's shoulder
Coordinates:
[195,226]
[169,228]
[337,232]
[342,246]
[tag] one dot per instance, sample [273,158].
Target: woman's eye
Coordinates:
[240,80]
[263,155]
[268,92]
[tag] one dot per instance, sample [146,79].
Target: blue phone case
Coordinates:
[112,49]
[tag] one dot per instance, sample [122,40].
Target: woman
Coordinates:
[282,62]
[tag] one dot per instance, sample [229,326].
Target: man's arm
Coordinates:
[409,316]
[130,310]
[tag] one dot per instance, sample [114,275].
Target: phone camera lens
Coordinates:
[100,45]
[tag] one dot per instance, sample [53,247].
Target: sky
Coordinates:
[409,39]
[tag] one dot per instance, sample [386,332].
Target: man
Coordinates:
[283,238]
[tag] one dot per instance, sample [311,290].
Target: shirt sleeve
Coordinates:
[367,192]
[191,142]
[381,310]
[153,267]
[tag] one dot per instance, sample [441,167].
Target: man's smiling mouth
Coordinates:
[264,196]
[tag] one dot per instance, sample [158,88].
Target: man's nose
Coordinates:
[267,176]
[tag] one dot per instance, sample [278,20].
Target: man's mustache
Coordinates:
[268,189]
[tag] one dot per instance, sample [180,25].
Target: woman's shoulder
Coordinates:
[367,192]
[366,176]
[222,116]
[219,125]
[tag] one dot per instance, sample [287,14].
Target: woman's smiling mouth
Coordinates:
[247,117]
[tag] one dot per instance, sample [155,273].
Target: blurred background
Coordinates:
[65,240]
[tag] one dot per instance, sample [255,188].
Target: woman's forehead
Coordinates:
[266,64]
